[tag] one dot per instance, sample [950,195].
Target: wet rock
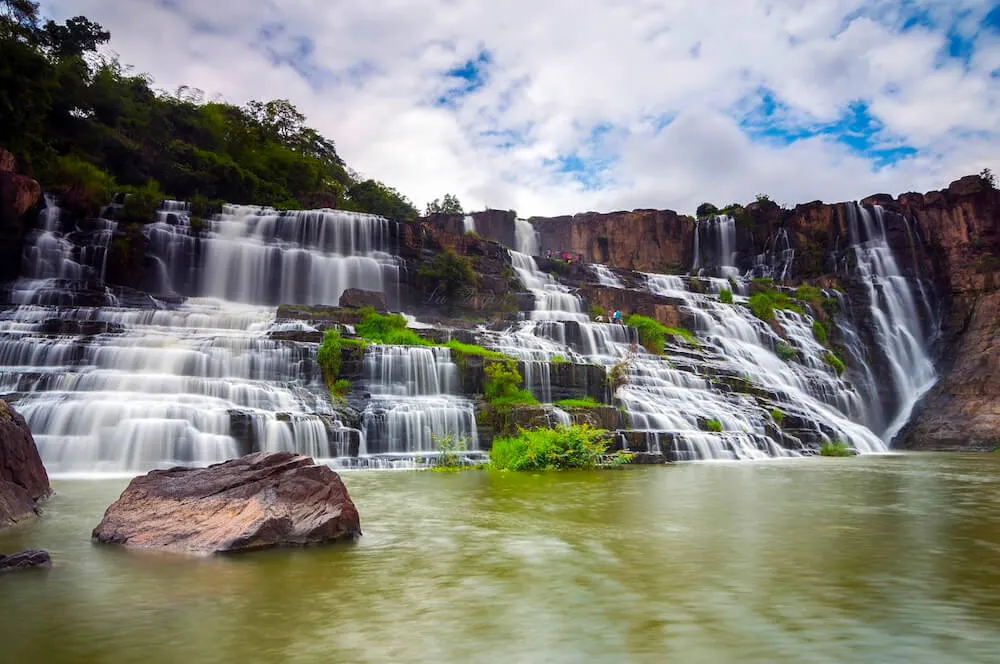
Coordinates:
[355,298]
[258,501]
[321,317]
[25,560]
[86,328]
[23,480]
[298,336]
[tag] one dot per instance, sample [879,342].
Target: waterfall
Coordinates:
[605,276]
[715,253]
[525,237]
[894,310]
[262,256]
[413,401]
[468,224]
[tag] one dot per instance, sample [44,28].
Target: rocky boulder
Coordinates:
[258,501]
[25,560]
[23,480]
[355,298]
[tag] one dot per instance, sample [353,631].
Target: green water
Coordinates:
[892,559]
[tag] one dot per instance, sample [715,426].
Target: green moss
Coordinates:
[341,387]
[388,329]
[713,425]
[835,362]
[835,448]
[558,359]
[328,356]
[819,331]
[478,351]
[586,402]
[777,416]
[726,296]
[785,351]
[652,333]
[763,303]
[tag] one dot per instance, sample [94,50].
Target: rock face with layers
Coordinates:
[258,501]
[23,480]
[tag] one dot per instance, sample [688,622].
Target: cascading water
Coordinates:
[895,307]
[606,277]
[414,401]
[468,224]
[715,247]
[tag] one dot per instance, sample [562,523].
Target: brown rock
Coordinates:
[7,162]
[258,501]
[18,193]
[23,479]
[355,298]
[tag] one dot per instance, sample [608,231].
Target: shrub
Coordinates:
[341,387]
[777,416]
[388,329]
[706,210]
[726,296]
[713,425]
[451,273]
[586,402]
[503,385]
[85,188]
[562,447]
[764,302]
[558,359]
[141,203]
[652,333]
[595,312]
[785,351]
[988,179]
[682,332]
[618,375]
[819,331]
[810,294]
[835,362]
[450,450]
[328,357]
[836,448]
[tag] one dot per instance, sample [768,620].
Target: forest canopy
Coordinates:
[86,125]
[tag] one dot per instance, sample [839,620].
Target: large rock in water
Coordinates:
[355,298]
[258,501]
[25,560]
[23,479]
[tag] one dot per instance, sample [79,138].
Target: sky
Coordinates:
[560,106]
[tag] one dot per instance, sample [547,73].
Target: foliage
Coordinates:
[141,203]
[341,387]
[836,448]
[586,402]
[785,351]
[726,296]
[450,450]
[713,425]
[450,272]
[595,312]
[706,210]
[990,180]
[562,447]
[819,331]
[328,356]
[60,100]
[764,302]
[503,386]
[388,329]
[618,374]
[777,416]
[652,333]
[835,362]
[472,349]
[810,294]
[450,205]
[83,187]
[558,359]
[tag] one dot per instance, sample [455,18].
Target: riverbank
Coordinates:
[850,560]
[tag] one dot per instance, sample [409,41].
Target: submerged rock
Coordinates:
[23,479]
[258,501]
[25,560]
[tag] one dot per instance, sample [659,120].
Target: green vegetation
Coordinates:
[777,416]
[785,351]
[595,312]
[558,359]
[726,296]
[328,356]
[989,180]
[450,205]
[682,332]
[341,387]
[451,450]
[835,362]
[83,124]
[559,448]
[835,448]
[460,349]
[388,329]
[810,294]
[713,425]
[586,402]
[652,333]
[503,386]
[618,375]
[450,272]
[819,331]
[706,210]
[763,303]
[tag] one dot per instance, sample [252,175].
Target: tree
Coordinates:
[706,210]
[450,205]
[76,37]
[986,175]
[19,20]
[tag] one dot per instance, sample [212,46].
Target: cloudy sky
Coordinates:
[557,106]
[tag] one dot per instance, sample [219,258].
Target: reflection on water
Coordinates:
[890,559]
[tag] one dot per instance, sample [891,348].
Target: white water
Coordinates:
[468,224]
[605,276]
[715,247]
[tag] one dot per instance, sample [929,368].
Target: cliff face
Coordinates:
[19,196]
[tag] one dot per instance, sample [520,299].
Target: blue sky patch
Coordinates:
[466,78]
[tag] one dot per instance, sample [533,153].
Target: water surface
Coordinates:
[878,559]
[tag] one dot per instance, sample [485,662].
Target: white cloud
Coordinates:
[559,68]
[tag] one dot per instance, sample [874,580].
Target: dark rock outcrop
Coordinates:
[23,480]
[25,560]
[19,197]
[355,298]
[258,501]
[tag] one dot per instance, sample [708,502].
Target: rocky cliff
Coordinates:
[19,197]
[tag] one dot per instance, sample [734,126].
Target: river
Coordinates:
[872,559]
